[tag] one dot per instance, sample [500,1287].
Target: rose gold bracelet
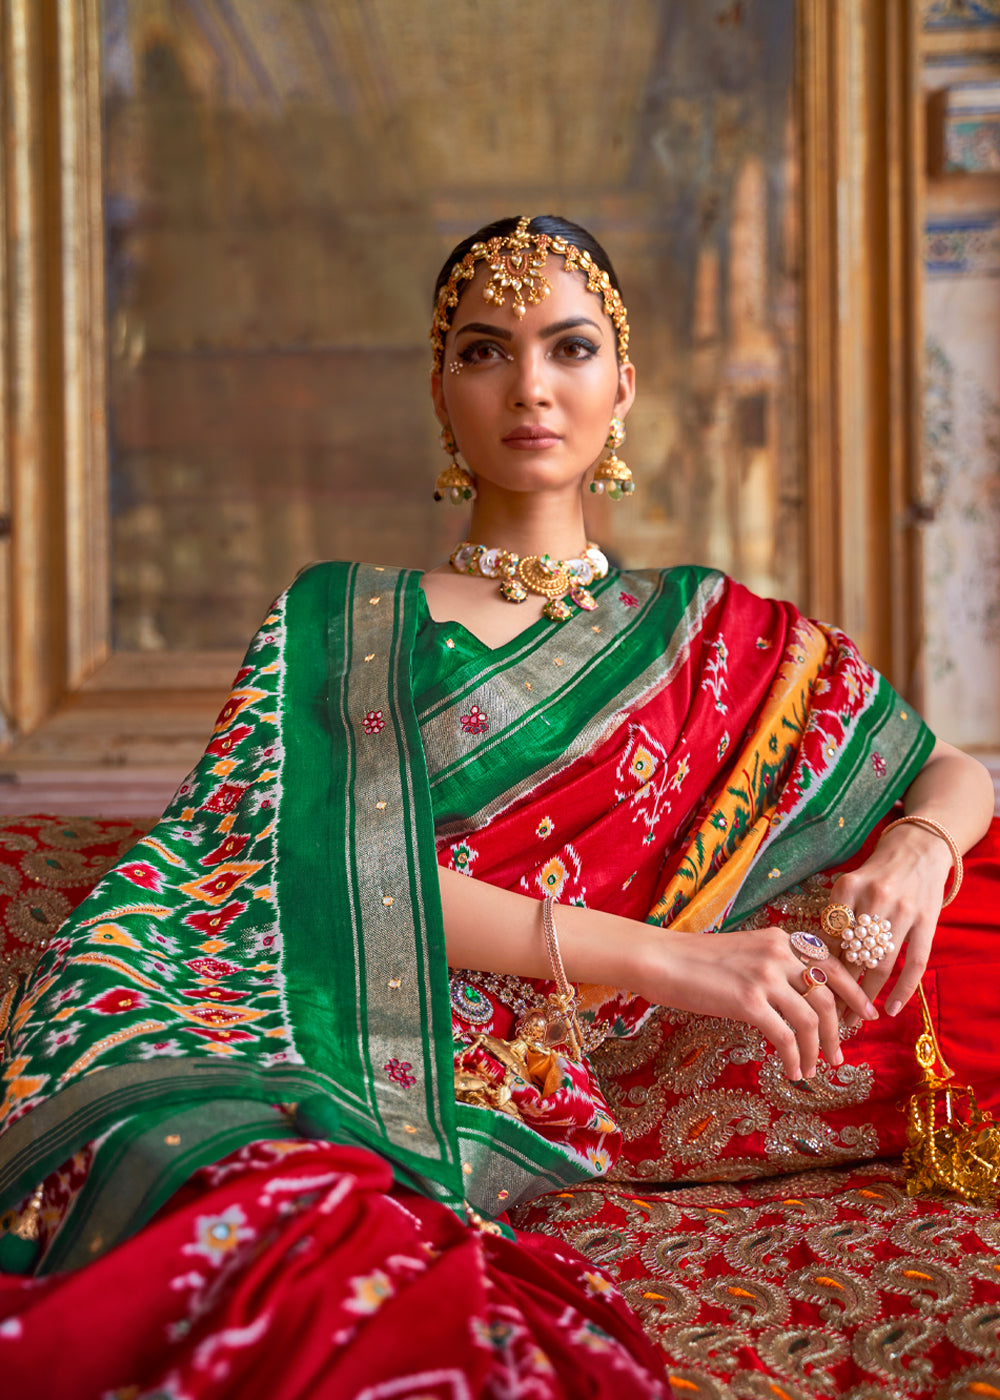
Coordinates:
[567,996]
[956,855]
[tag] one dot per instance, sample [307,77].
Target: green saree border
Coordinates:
[358,876]
[542,636]
[542,717]
[140,1166]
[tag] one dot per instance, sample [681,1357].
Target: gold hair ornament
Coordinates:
[517,263]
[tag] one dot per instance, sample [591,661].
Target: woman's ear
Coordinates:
[437,396]
[626,389]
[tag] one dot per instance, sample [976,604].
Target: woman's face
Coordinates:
[532,399]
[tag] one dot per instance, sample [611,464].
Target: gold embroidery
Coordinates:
[885,1281]
[797,1352]
[638,1110]
[685,1054]
[697,1053]
[621,1055]
[799,1139]
[976,1383]
[696,1130]
[839,1296]
[843,1086]
[895,1349]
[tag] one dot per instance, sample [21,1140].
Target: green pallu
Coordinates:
[275,940]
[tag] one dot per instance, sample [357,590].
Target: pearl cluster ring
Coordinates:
[869,941]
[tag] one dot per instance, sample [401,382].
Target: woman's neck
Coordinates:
[549,524]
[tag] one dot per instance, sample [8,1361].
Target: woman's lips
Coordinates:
[531,439]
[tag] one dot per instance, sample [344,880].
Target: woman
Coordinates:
[245,1043]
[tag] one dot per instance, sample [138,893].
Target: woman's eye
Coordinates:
[481,352]
[577,348]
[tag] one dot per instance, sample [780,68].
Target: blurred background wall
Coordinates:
[223,220]
[282,183]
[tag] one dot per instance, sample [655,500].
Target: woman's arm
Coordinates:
[751,977]
[904,879]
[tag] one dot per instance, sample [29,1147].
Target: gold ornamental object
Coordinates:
[952,1144]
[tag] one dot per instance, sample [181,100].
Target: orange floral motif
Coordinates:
[552,877]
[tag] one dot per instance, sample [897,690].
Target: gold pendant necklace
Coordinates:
[536,573]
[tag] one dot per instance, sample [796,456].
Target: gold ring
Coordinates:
[836,919]
[813,977]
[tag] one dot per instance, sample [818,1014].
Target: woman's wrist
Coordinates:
[921,841]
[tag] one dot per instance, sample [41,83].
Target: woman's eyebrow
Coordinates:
[568,325]
[483,328]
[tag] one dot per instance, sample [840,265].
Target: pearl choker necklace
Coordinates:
[551,578]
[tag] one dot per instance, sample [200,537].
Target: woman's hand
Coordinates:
[755,977]
[903,880]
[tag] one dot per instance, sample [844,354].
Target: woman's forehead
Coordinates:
[568,298]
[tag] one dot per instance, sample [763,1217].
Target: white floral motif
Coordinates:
[64,1035]
[218,1235]
[644,764]
[152,1049]
[715,680]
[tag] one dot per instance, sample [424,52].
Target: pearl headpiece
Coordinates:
[517,261]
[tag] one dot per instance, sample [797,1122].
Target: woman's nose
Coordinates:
[530,383]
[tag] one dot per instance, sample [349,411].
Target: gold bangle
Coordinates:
[956,855]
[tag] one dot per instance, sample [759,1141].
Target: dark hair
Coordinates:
[551,224]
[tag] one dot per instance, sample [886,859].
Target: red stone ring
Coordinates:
[813,977]
[808,947]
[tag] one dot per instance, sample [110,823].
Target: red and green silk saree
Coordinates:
[257,993]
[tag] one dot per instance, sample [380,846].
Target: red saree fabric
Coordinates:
[292,1270]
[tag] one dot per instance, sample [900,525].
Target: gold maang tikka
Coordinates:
[517,263]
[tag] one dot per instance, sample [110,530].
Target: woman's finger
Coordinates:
[803,1016]
[918,951]
[775,1028]
[849,992]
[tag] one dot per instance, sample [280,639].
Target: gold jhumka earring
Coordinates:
[455,483]
[612,473]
